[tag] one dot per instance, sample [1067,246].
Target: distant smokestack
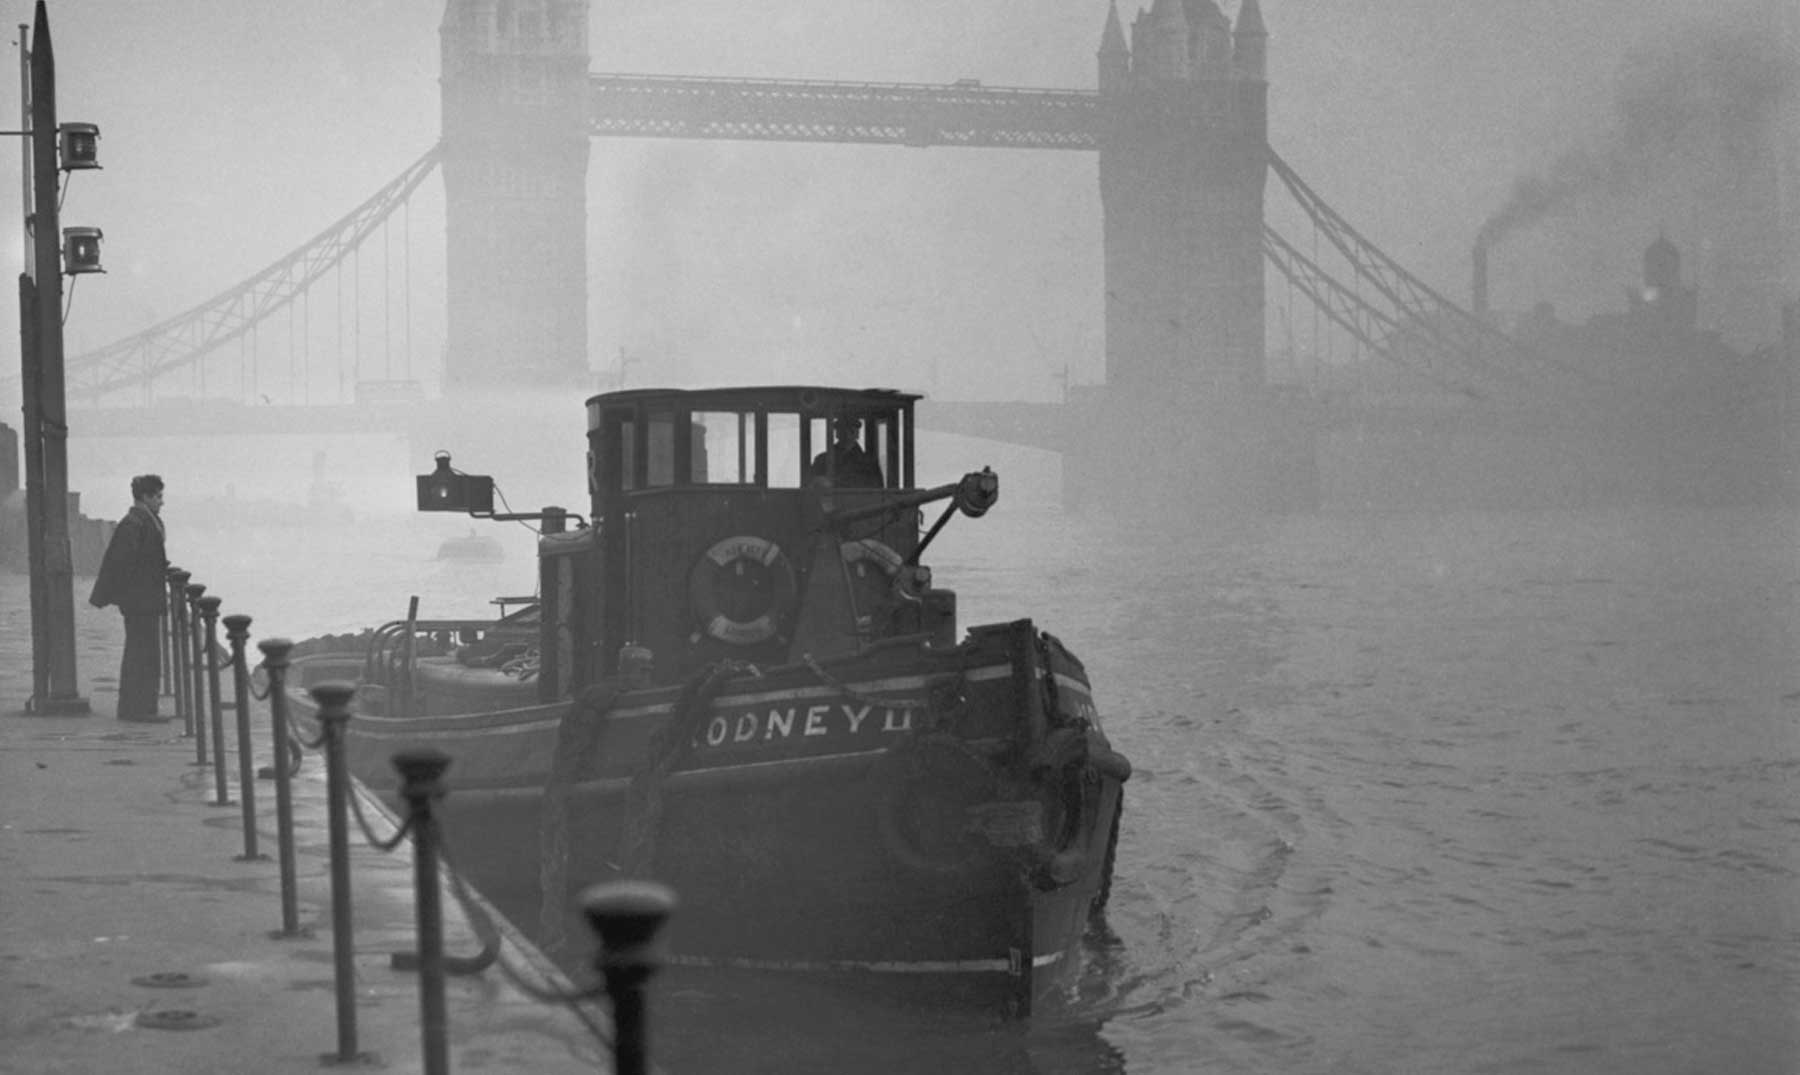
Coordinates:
[1478,291]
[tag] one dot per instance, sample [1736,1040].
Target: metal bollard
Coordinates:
[165,686]
[237,629]
[178,580]
[209,612]
[333,699]
[420,773]
[197,671]
[627,916]
[275,659]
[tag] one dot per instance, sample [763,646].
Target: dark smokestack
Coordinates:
[1478,289]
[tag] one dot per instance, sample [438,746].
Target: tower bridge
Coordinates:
[1178,123]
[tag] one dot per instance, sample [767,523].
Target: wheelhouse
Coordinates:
[741,438]
[731,524]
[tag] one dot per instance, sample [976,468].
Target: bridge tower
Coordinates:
[1186,416]
[515,118]
[1182,168]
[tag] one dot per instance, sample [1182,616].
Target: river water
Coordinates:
[1472,792]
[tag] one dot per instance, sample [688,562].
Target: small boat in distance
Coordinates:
[481,548]
[739,678]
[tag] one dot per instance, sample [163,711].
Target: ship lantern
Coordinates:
[81,251]
[448,489]
[78,145]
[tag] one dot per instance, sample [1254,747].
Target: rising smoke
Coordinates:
[1719,88]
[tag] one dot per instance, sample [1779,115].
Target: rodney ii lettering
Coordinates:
[803,722]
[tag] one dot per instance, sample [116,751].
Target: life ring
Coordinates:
[925,789]
[870,569]
[740,588]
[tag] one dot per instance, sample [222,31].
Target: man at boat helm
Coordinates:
[846,462]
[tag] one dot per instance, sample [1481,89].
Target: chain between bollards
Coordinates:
[333,699]
[421,773]
[197,676]
[627,915]
[237,630]
[275,659]
[209,613]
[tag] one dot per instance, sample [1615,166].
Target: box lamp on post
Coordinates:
[78,146]
[81,251]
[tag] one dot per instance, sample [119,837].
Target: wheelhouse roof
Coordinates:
[802,399]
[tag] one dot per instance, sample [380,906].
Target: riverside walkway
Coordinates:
[134,938]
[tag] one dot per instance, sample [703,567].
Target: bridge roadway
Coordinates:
[1047,426]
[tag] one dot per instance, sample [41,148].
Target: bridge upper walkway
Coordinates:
[963,113]
[1386,309]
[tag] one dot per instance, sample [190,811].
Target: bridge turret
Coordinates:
[1115,58]
[1250,41]
[1160,43]
[1209,39]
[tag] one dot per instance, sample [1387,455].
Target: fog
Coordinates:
[231,134]
[1449,789]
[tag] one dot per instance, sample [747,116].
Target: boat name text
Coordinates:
[755,725]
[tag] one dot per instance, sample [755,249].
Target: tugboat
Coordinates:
[737,677]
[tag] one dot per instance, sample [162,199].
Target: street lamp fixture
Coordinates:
[78,146]
[81,251]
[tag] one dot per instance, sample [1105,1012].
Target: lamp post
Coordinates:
[46,430]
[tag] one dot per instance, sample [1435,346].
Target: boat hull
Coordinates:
[937,820]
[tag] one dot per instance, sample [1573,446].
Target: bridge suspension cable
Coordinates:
[1424,326]
[188,337]
[1371,327]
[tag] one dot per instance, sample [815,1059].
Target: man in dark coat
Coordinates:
[846,462]
[134,577]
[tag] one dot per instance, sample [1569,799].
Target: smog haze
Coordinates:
[232,134]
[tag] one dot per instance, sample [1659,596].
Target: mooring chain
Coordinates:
[268,682]
[310,744]
[493,951]
[368,830]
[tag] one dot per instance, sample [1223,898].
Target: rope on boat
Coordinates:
[949,695]
[1097,909]
[524,666]
[643,800]
[839,685]
[577,738]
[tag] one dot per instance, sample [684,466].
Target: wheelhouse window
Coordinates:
[661,449]
[642,442]
[787,445]
[724,448]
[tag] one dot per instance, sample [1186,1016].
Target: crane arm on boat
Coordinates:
[973,495]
